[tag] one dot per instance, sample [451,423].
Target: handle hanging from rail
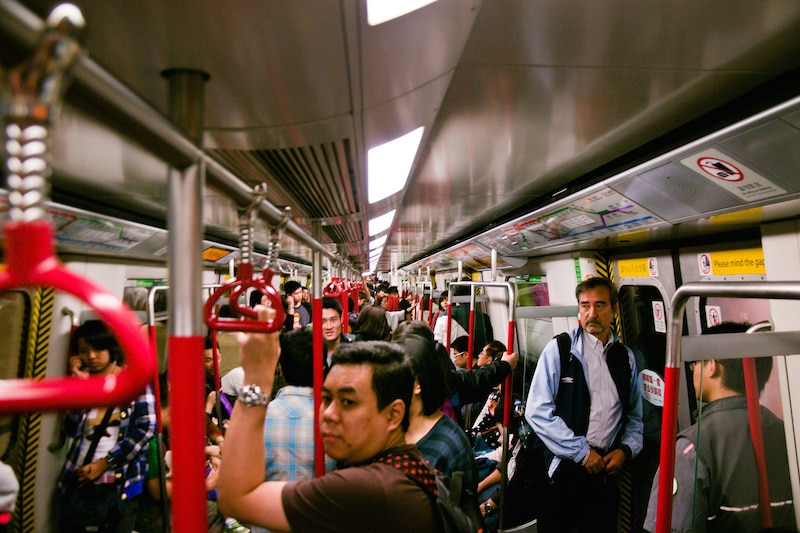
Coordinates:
[31,102]
[245,280]
[333,288]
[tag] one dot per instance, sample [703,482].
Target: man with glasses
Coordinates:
[715,487]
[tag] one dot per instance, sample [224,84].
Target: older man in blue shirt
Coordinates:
[587,415]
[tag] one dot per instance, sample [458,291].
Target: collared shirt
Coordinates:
[606,410]
[137,425]
[289,435]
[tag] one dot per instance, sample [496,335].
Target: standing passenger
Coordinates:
[715,487]
[588,416]
[332,334]
[289,425]
[294,306]
[118,465]
[385,485]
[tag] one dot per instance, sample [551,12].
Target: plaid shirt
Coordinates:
[289,435]
[137,427]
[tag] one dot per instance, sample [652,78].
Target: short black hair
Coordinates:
[297,355]
[461,344]
[329,302]
[290,286]
[593,283]
[392,375]
[99,337]
[733,376]
[495,350]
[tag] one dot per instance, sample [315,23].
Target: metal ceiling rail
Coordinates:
[22,27]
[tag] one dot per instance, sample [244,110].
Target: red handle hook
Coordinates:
[31,263]
[244,280]
[333,288]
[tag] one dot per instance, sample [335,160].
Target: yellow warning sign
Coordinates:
[735,262]
[637,268]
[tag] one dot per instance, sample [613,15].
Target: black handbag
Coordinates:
[95,507]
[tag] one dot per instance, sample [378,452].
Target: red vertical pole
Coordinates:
[187,433]
[669,428]
[471,343]
[757,437]
[509,383]
[430,309]
[156,380]
[316,334]
[345,312]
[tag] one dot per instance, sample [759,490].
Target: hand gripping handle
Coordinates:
[333,288]
[238,287]
[31,263]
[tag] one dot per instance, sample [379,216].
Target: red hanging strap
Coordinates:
[31,263]
[238,287]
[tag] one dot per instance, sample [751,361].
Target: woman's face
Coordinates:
[97,362]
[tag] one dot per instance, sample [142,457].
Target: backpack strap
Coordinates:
[564,347]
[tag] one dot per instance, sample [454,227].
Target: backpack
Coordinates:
[454,513]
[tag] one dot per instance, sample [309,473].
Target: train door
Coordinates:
[645,285]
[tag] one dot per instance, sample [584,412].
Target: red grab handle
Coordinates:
[31,263]
[333,288]
[244,280]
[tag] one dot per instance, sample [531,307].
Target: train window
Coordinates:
[14,314]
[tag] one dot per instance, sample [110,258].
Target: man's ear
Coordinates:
[417,387]
[395,412]
[715,369]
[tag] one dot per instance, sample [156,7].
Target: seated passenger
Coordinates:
[384,485]
[715,487]
[440,440]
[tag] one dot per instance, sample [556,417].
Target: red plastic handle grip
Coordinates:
[244,280]
[31,263]
[333,288]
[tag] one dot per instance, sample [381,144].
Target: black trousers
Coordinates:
[577,500]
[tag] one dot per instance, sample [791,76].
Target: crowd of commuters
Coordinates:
[398,410]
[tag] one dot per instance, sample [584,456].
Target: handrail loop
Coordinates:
[32,99]
[244,280]
[333,288]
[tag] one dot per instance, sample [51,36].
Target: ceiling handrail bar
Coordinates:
[23,27]
[769,290]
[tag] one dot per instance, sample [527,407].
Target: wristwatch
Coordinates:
[252,395]
[487,508]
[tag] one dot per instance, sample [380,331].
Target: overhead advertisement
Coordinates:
[596,215]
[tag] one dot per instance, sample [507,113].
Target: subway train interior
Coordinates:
[156,151]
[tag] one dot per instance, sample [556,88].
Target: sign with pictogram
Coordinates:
[732,175]
[659,317]
[713,315]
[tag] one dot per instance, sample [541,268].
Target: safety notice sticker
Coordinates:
[732,175]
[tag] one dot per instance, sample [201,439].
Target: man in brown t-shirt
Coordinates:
[385,485]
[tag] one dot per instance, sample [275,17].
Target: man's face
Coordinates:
[484,358]
[331,325]
[208,361]
[596,312]
[460,359]
[352,428]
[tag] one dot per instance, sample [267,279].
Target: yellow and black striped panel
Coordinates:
[27,444]
[624,524]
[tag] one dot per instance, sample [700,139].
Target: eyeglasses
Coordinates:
[459,354]
[692,364]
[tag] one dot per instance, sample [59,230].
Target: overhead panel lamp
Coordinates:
[389,164]
[381,223]
[378,243]
[380,11]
